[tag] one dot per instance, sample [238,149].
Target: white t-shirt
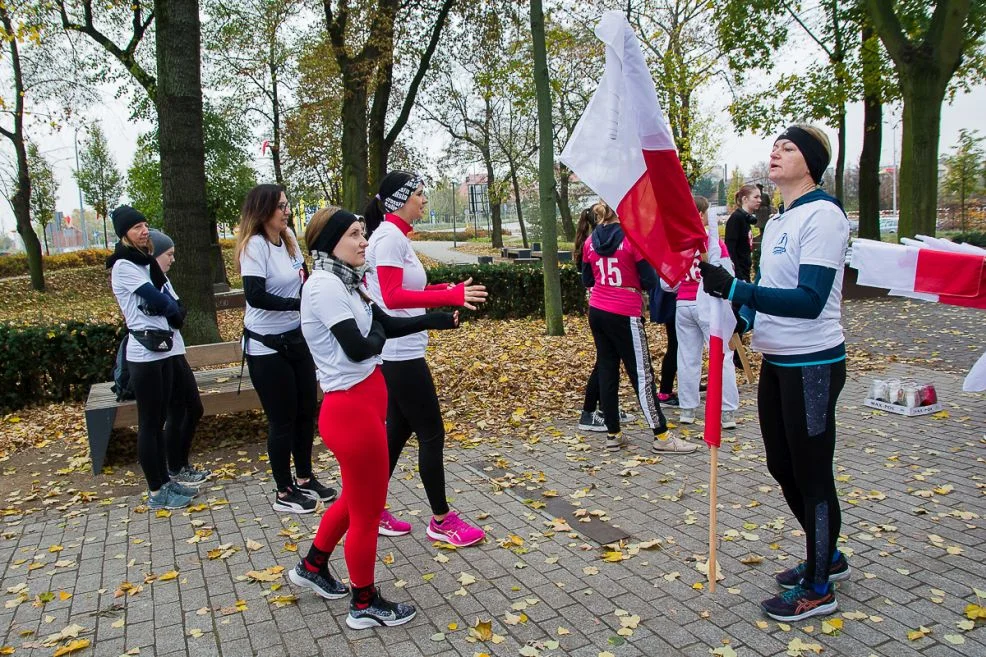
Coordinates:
[283,277]
[126,277]
[816,233]
[324,303]
[389,247]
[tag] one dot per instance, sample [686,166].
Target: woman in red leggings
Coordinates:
[346,332]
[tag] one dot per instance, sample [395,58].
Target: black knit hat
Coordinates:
[332,232]
[816,155]
[125,218]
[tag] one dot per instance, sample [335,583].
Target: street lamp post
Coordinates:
[453,214]
[82,209]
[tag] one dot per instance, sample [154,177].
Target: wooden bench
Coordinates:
[217,388]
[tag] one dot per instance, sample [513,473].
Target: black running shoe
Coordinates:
[380,613]
[800,603]
[293,501]
[792,577]
[322,582]
[314,489]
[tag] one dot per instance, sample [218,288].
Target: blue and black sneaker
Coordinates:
[839,571]
[800,603]
[379,613]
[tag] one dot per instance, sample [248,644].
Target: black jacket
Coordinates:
[738,231]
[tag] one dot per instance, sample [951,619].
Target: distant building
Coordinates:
[63,235]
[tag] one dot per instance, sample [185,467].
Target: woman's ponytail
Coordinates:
[373,215]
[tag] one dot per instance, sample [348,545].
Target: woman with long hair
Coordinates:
[618,275]
[185,409]
[796,303]
[346,333]
[153,318]
[739,230]
[281,366]
[398,283]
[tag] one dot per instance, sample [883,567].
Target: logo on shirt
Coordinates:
[781,246]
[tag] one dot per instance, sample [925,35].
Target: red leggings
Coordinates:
[352,424]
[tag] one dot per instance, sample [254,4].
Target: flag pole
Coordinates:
[713,437]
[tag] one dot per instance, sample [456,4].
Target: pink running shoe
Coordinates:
[391,526]
[455,530]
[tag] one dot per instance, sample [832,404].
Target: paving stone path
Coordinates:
[914,501]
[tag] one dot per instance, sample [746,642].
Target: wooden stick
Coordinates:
[713,515]
[737,345]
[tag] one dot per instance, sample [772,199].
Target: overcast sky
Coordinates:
[737,150]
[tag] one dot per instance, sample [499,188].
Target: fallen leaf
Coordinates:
[466,579]
[72,646]
[919,633]
[253,545]
[168,576]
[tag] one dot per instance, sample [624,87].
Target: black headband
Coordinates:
[816,157]
[332,232]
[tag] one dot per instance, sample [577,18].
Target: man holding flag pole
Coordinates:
[623,149]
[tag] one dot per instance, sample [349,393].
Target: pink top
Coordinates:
[688,289]
[617,289]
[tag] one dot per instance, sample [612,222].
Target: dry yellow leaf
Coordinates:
[168,576]
[73,646]
[482,630]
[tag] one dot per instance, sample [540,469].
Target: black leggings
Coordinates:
[591,403]
[621,338]
[412,407]
[152,386]
[797,420]
[184,413]
[286,387]
[669,363]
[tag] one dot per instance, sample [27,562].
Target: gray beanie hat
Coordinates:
[160,241]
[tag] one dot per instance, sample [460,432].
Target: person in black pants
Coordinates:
[739,230]
[185,408]
[796,303]
[281,366]
[662,310]
[153,318]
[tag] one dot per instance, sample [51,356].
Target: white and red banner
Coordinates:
[931,269]
[622,149]
[722,323]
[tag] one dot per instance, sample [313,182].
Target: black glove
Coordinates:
[177,320]
[716,281]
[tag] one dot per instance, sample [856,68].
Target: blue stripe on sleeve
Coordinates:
[805,301]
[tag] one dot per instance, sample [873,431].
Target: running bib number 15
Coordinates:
[609,272]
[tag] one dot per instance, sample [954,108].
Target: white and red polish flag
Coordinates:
[927,268]
[622,149]
[722,323]
[931,269]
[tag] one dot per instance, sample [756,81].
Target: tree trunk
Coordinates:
[840,161]
[179,106]
[21,200]
[377,149]
[564,207]
[546,177]
[520,213]
[354,146]
[869,158]
[275,151]
[923,97]
[496,220]
[44,233]
[220,282]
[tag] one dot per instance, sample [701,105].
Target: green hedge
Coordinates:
[54,363]
[16,264]
[515,290]
[462,235]
[974,238]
